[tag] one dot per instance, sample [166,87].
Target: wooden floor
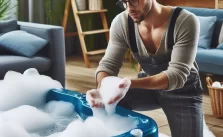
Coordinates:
[80,78]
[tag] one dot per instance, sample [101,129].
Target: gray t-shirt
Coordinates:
[186,35]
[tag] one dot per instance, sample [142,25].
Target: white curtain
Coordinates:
[36,11]
[30,10]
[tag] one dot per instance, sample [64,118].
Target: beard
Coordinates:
[139,19]
[141,14]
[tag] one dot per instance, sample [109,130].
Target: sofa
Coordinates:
[50,60]
[210,53]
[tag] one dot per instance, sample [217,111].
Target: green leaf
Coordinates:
[5,9]
[5,4]
[4,17]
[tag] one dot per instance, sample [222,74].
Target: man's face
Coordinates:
[139,12]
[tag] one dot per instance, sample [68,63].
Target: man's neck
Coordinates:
[158,15]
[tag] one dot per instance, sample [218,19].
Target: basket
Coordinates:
[95,4]
[216,97]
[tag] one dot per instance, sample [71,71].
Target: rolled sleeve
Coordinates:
[113,59]
[184,51]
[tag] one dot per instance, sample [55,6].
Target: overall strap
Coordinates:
[170,38]
[132,37]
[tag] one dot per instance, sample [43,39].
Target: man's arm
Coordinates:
[159,81]
[99,78]
[184,51]
[112,61]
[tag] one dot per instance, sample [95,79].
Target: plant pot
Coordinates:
[81,4]
[95,4]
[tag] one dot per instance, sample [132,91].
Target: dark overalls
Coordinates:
[183,107]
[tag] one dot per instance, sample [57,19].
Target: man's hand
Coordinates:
[94,99]
[123,88]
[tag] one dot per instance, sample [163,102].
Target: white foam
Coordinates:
[31,72]
[110,89]
[10,129]
[32,119]
[22,94]
[99,112]
[28,89]
[61,124]
[12,75]
[59,108]
[54,135]
[75,129]
[124,123]
[99,127]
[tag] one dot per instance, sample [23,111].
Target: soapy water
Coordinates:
[23,112]
[29,121]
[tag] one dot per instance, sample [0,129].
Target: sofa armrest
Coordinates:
[55,48]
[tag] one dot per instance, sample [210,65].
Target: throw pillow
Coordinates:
[7,26]
[220,46]
[217,37]
[206,30]
[22,43]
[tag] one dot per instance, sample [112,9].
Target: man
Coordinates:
[170,77]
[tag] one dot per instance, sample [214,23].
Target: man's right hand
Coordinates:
[94,99]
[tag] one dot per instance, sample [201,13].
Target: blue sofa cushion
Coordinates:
[210,61]
[206,31]
[211,56]
[220,46]
[206,12]
[22,43]
[7,26]
[20,64]
[217,38]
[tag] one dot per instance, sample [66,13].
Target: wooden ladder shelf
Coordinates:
[218,4]
[80,33]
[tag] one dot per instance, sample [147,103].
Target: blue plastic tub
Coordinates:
[147,125]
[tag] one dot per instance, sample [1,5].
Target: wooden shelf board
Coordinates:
[91,11]
[95,31]
[95,52]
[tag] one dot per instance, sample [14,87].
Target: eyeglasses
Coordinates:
[123,3]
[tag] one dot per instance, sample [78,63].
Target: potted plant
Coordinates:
[5,9]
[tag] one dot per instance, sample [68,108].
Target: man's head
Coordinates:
[137,9]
